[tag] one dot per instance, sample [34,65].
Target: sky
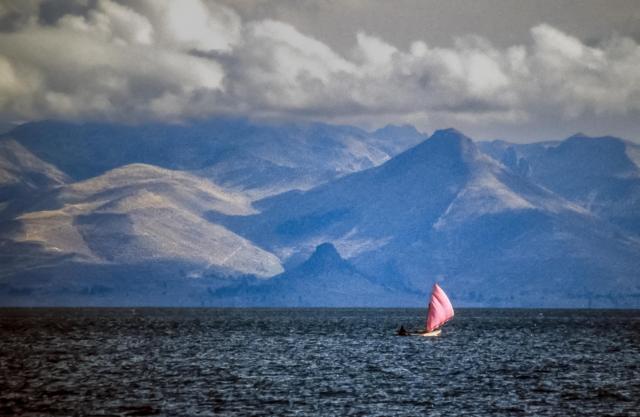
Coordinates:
[515,70]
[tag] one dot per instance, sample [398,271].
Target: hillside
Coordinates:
[231,212]
[131,217]
[256,158]
[600,174]
[323,280]
[22,173]
[443,210]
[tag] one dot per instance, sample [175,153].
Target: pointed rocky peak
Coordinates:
[326,252]
[446,152]
[323,258]
[450,134]
[452,143]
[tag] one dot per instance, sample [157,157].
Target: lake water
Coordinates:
[332,362]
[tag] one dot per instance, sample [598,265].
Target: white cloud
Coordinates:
[373,51]
[60,73]
[192,24]
[164,59]
[279,69]
[579,79]
[113,22]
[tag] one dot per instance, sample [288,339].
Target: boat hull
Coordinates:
[434,333]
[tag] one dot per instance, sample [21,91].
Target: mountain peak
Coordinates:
[326,251]
[446,149]
[452,142]
[449,133]
[324,257]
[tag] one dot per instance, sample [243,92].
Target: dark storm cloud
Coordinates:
[149,59]
[50,11]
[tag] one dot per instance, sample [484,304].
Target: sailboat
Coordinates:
[440,311]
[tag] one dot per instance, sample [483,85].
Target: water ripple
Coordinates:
[208,362]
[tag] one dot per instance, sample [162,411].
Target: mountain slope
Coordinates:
[426,186]
[443,210]
[323,280]
[548,224]
[134,215]
[259,159]
[22,173]
[600,174]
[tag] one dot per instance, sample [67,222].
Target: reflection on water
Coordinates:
[317,362]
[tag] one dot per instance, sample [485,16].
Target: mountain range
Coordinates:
[232,212]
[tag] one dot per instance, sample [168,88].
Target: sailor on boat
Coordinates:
[439,312]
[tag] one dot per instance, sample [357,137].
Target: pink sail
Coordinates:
[440,309]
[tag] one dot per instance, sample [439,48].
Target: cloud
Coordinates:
[149,60]
[105,65]
[113,22]
[577,79]
[192,24]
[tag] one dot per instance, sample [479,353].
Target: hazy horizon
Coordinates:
[8,127]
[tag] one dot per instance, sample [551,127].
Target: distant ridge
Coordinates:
[233,212]
[259,159]
[443,208]
[601,174]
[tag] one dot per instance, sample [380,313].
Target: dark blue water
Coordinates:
[329,362]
